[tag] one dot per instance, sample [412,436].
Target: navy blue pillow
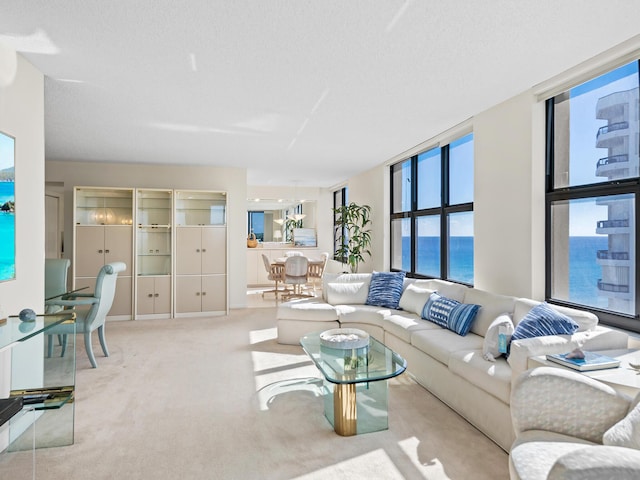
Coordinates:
[385,289]
[450,314]
[543,320]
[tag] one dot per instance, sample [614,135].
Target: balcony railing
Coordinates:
[613,223]
[611,287]
[607,255]
[612,128]
[613,159]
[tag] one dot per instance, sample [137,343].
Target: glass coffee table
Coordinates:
[355,387]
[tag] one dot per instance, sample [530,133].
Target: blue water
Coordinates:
[7,234]
[584,270]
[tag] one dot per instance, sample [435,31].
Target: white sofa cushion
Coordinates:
[454,291]
[307,309]
[492,377]
[367,314]
[403,324]
[353,293]
[535,451]
[492,306]
[585,320]
[439,344]
[413,298]
[596,463]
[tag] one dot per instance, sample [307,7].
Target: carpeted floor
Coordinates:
[212,398]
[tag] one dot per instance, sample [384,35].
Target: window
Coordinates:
[256,224]
[339,200]
[432,213]
[592,195]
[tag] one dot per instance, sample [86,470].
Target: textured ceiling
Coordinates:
[299,92]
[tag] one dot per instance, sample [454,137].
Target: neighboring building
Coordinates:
[621,139]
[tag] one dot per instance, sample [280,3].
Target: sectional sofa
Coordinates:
[464,370]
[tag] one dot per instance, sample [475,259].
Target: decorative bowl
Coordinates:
[344,338]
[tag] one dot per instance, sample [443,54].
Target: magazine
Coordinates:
[591,361]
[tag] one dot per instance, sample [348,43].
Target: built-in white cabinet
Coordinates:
[154,253]
[174,244]
[201,253]
[104,234]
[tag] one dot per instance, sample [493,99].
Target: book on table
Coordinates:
[591,361]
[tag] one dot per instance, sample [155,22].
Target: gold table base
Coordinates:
[344,409]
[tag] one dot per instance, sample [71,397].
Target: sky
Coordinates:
[6,151]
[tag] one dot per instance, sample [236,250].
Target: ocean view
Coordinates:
[584,270]
[7,233]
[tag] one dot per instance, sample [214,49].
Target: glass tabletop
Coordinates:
[371,363]
[15,330]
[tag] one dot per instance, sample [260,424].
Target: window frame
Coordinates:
[594,190]
[443,210]
[340,198]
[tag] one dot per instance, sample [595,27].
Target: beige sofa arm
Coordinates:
[566,402]
[596,463]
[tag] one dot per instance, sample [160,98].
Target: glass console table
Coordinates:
[46,383]
[355,385]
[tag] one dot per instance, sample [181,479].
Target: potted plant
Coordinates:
[353,234]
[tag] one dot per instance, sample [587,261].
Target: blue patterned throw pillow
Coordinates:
[385,289]
[543,320]
[450,314]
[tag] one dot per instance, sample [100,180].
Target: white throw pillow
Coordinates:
[490,349]
[625,433]
[347,293]
[413,299]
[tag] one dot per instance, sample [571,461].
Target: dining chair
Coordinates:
[316,270]
[87,321]
[275,273]
[55,281]
[296,273]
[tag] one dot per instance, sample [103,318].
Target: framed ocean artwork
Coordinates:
[7,208]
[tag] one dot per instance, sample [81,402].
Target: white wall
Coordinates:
[509,197]
[508,203]
[372,188]
[22,116]
[231,180]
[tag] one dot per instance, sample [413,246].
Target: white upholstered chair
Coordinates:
[569,426]
[296,273]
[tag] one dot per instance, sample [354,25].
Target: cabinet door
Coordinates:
[214,293]
[188,251]
[214,248]
[118,246]
[162,295]
[123,298]
[89,256]
[188,294]
[253,266]
[145,295]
